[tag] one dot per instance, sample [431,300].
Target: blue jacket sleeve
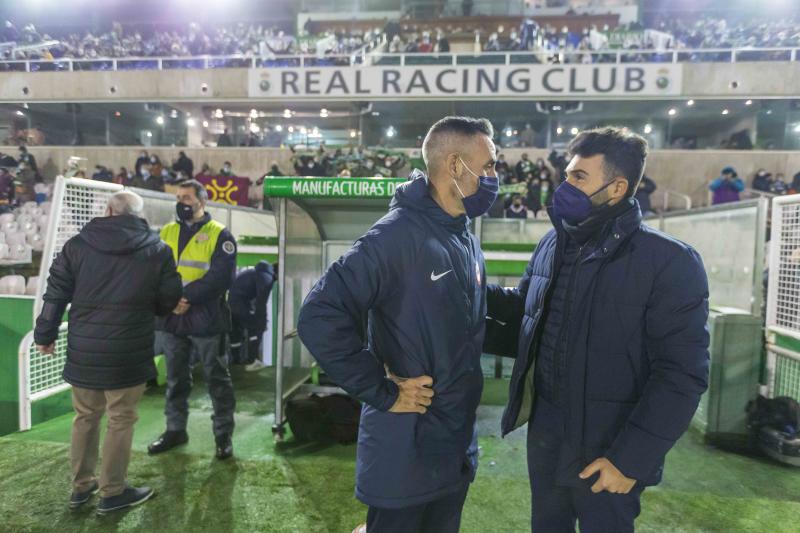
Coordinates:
[738,184]
[332,316]
[716,184]
[505,307]
[219,277]
[60,288]
[677,342]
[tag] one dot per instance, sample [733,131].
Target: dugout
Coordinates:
[318,220]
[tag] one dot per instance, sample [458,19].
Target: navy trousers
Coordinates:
[555,508]
[439,516]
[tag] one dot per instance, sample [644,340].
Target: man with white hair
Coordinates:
[118,276]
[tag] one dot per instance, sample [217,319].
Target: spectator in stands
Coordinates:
[542,170]
[123,177]
[396,45]
[27,158]
[779,186]
[274,170]
[533,195]
[727,187]
[524,165]
[155,165]
[795,187]
[8,161]
[110,353]
[761,181]
[502,169]
[546,189]
[425,46]
[148,181]
[227,169]
[516,209]
[646,187]
[101,173]
[514,44]
[413,46]
[205,170]
[26,178]
[345,173]
[442,43]
[143,159]
[493,44]
[559,163]
[7,190]
[224,139]
[184,164]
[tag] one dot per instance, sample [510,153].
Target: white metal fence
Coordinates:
[361,58]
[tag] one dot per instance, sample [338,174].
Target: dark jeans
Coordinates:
[439,516]
[211,354]
[556,508]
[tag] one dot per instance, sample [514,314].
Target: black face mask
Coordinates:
[185,212]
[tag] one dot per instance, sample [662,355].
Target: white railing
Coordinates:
[612,56]
[39,374]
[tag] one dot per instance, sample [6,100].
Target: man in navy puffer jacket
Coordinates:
[608,327]
[417,279]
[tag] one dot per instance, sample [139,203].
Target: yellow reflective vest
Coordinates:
[195,259]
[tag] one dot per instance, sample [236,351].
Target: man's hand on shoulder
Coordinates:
[610,480]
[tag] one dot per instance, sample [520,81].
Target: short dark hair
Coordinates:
[199,189]
[456,125]
[464,125]
[624,152]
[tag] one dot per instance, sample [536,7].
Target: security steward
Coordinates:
[205,253]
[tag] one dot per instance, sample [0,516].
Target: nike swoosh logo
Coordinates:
[436,277]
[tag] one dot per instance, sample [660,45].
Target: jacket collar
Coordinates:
[622,227]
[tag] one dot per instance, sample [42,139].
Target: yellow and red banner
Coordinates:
[226,189]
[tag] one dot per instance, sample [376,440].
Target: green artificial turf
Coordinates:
[291,487]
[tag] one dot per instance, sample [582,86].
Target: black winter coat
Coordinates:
[118,275]
[638,346]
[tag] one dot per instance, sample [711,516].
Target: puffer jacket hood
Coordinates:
[415,195]
[119,235]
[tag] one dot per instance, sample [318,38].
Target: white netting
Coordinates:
[44,371]
[787,377]
[82,201]
[786,293]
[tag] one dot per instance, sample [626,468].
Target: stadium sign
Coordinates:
[310,187]
[467,81]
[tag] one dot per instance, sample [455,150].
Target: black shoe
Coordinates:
[224,447]
[79,498]
[167,441]
[129,497]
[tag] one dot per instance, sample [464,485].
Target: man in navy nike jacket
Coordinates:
[417,278]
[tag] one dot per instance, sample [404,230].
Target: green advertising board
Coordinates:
[313,187]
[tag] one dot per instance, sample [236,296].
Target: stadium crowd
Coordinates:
[257,40]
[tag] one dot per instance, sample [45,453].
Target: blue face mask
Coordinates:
[572,204]
[479,203]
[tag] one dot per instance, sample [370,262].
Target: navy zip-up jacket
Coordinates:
[417,278]
[637,346]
